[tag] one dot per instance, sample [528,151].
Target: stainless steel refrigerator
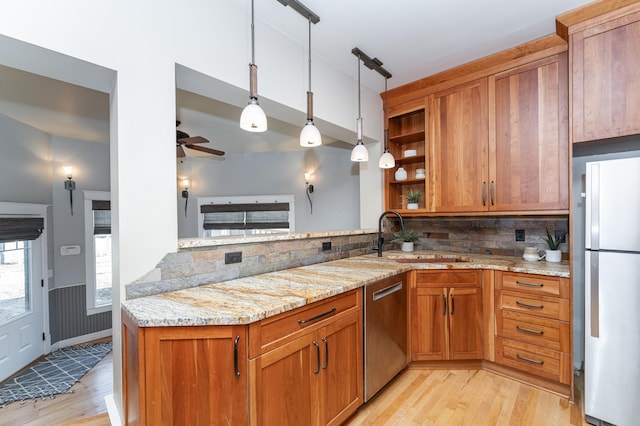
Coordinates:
[612,292]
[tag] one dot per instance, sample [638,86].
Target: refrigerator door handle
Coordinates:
[594,225]
[595,291]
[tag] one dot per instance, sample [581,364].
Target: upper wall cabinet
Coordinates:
[528,137]
[459,148]
[606,75]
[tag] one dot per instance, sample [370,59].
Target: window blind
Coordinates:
[101,217]
[246,216]
[20,228]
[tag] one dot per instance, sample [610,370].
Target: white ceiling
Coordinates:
[413,38]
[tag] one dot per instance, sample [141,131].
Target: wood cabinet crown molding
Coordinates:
[498,62]
[604,10]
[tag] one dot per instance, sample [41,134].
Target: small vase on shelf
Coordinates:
[412,206]
[401,174]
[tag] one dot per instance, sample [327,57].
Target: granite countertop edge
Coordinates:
[246,300]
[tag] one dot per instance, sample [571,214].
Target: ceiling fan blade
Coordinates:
[207,150]
[180,152]
[194,139]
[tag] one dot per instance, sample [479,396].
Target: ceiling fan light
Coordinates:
[359,153]
[310,135]
[386,160]
[253,118]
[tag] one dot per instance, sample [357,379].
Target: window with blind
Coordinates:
[246,215]
[98,251]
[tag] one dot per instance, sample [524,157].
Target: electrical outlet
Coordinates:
[326,246]
[559,233]
[520,234]
[233,257]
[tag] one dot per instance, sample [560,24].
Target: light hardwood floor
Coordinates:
[415,397]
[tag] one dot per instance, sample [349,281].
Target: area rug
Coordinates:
[53,375]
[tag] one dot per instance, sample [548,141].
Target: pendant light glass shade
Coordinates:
[310,135]
[386,160]
[253,118]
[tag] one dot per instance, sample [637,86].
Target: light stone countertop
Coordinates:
[250,299]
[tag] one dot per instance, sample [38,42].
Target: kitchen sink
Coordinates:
[428,259]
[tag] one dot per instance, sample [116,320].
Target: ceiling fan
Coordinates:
[184,140]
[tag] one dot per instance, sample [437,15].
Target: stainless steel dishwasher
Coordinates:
[385,332]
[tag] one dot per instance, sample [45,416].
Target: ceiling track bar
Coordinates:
[373,64]
[301,9]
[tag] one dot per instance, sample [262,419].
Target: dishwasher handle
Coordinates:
[387,291]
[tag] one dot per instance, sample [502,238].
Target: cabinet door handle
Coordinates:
[326,352]
[527,284]
[317,370]
[329,312]
[528,305]
[484,193]
[452,304]
[235,356]
[528,330]
[492,191]
[533,361]
[444,305]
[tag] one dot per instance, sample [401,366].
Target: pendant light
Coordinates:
[386,159]
[310,135]
[359,152]
[253,118]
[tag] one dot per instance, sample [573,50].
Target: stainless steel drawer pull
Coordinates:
[533,361]
[235,356]
[329,312]
[317,370]
[528,305]
[529,284]
[387,291]
[528,330]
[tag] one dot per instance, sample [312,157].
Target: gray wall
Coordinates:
[583,153]
[31,172]
[336,199]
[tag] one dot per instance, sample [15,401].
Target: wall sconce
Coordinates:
[185,194]
[309,190]
[69,184]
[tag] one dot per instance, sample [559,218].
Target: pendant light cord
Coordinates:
[253,40]
[309,54]
[386,116]
[359,112]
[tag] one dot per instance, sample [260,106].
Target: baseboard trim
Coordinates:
[112,410]
[78,340]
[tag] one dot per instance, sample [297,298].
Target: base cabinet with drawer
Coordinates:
[446,316]
[313,375]
[533,325]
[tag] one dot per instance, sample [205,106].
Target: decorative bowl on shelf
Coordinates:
[410,153]
[420,173]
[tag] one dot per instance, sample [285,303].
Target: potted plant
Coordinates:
[553,254]
[406,238]
[413,197]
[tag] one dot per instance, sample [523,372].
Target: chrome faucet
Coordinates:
[380,239]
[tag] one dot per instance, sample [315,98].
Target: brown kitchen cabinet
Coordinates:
[446,316]
[533,325]
[184,375]
[459,148]
[310,372]
[407,132]
[605,75]
[529,137]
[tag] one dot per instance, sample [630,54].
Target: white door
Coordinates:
[21,310]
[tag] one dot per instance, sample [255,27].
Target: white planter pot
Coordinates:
[407,246]
[553,256]
[412,206]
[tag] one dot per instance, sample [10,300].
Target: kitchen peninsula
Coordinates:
[213,350]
